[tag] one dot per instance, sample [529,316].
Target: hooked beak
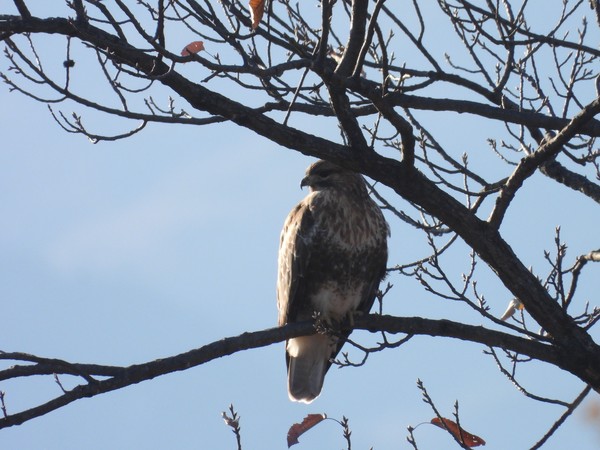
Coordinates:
[305,182]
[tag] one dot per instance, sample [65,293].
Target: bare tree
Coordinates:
[383,78]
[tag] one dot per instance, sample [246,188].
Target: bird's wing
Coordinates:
[377,260]
[294,257]
[378,272]
[306,357]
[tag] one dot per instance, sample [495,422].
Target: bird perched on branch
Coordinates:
[332,257]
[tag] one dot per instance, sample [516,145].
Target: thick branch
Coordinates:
[22,8]
[347,119]
[527,118]
[355,40]
[524,117]
[120,377]
[403,127]
[358,67]
[573,180]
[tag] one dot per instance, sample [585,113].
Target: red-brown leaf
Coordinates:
[257,9]
[298,429]
[192,48]
[470,440]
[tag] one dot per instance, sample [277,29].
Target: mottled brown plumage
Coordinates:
[332,257]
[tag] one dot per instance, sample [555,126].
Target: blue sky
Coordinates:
[124,252]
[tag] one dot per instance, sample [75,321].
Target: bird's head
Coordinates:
[324,174]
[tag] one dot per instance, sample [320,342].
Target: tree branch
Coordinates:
[523,117]
[403,127]
[120,377]
[545,153]
[356,38]
[358,67]
[22,8]
[561,174]
[572,407]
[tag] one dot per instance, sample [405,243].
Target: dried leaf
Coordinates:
[514,306]
[470,440]
[257,9]
[298,429]
[192,48]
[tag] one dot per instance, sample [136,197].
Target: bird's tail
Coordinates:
[307,365]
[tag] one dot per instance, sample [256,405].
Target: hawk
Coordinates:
[332,257]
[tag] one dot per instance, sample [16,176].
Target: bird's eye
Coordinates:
[325,173]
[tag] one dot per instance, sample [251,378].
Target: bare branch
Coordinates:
[546,152]
[355,40]
[120,377]
[572,407]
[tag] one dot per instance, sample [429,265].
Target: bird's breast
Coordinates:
[348,225]
[334,302]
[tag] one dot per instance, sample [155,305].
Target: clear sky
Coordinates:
[124,252]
